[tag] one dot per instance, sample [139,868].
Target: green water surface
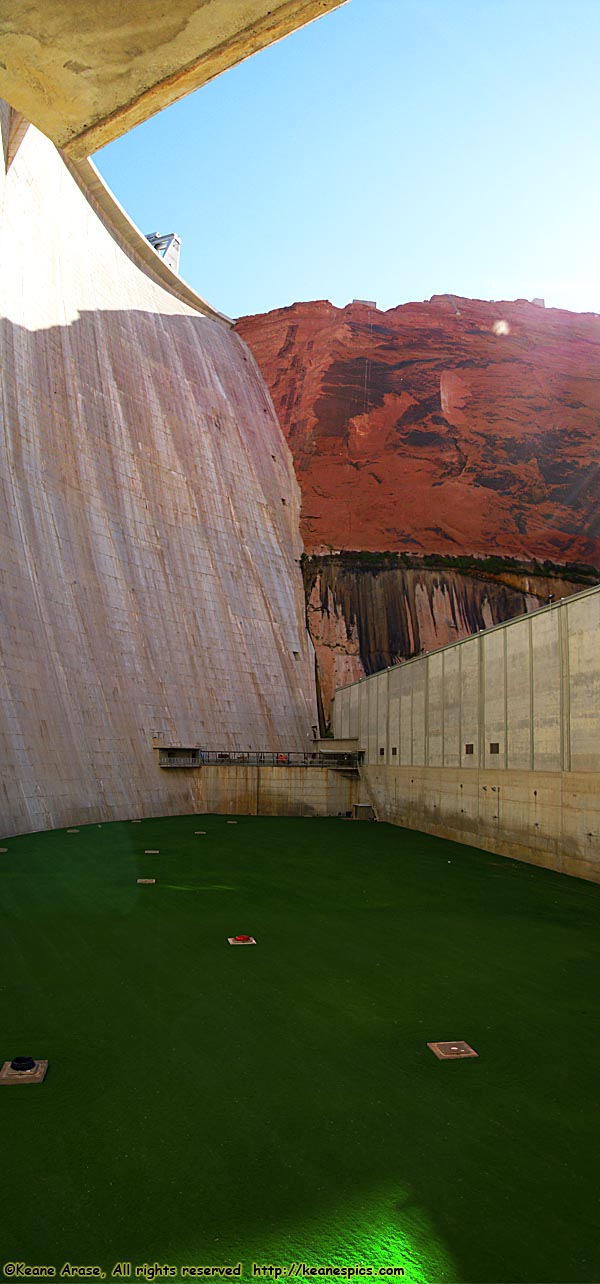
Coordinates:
[278,1104]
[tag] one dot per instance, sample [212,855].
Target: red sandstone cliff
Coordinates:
[430,428]
[454,427]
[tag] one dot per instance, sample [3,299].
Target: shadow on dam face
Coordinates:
[150,567]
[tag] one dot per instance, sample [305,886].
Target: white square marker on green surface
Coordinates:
[452,1051]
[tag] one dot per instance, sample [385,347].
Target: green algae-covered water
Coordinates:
[276,1108]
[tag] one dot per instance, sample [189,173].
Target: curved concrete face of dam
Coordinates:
[149,556]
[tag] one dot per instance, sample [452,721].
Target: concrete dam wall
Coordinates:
[492,741]
[150,587]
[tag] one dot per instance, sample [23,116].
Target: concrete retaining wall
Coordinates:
[234,791]
[493,741]
[275,791]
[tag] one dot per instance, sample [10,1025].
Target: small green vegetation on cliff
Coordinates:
[468,564]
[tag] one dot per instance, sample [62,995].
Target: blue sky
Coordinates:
[392,150]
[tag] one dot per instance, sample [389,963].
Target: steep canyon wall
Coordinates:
[149,558]
[442,427]
[454,427]
[364,617]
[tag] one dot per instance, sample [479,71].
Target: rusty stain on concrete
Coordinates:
[86,73]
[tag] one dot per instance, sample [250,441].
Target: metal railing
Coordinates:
[260,758]
[179,760]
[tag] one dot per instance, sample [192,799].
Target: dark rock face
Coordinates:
[398,614]
[454,427]
[364,618]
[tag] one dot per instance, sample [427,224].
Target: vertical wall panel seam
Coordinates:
[481,710]
[426,728]
[387,721]
[443,709]
[531,699]
[566,685]
[412,723]
[460,718]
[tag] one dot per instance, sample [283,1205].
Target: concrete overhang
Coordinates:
[86,71]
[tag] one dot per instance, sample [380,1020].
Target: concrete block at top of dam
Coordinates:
[150,586]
